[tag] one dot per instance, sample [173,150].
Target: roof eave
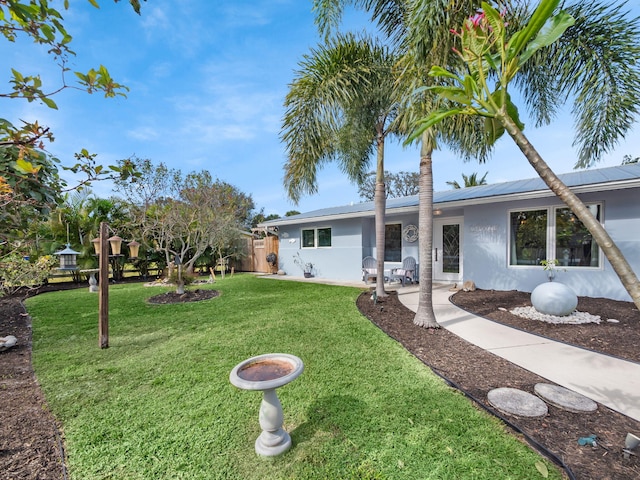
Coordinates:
[595,187]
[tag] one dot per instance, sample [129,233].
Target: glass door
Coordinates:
[447,249]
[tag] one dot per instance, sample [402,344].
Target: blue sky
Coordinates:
[208,81]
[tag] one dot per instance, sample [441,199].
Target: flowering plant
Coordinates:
[488,53]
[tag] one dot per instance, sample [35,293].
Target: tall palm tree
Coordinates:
[402,21]
[595,64]
[341,107]
[469,181]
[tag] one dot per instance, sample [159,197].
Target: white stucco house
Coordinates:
[495,235]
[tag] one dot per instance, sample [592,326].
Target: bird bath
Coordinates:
[266,373]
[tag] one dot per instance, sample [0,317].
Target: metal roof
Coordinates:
[623,176]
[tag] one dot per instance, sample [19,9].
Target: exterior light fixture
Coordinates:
[96,245]
[116,244]
[134,249]
[68,258]
[630,442]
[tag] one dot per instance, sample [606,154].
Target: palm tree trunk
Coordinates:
[605,242]
[380,205]
[425,317]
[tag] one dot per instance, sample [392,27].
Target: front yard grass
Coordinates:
[158,403]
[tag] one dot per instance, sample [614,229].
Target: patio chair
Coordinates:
[369,268]
[407,272]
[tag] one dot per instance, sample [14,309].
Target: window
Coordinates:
[324,237]
[575,246]
[552,233]
[528,237]
[393,243]
[316,237]
[308,238]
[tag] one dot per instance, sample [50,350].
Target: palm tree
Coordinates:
[340,107]
[485,39]
[420,29]
[469,181]
[596,64]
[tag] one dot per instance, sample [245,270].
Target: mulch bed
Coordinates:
[196,295]
[475,372]
[30,445]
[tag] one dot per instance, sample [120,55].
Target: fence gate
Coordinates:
[261,248]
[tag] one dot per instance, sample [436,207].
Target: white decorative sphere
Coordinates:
[553,298]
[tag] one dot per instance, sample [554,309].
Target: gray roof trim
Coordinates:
[585,181]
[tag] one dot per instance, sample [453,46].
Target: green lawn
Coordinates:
[158,403]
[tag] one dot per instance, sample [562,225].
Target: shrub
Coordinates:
[16,272]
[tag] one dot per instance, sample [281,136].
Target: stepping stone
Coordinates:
[564,398]
[517,402]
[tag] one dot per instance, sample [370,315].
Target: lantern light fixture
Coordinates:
[116,244]
[134,249]
[96,245]
[68,258]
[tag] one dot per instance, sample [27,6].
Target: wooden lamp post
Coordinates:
[101,245]
[103,289]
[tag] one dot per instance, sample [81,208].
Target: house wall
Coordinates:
[343,260]
[352,240]
[486,247]
[409,249]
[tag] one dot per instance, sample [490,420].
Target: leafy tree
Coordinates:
[25,197]
[261,217]
[340,107]
[469,181]
[291,213]
[29,178]
[401,184]
[490,52]
[185,216]
[629,159]
[153,183]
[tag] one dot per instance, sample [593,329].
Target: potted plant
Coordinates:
[307,267]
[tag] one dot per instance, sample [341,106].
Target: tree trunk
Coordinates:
[605,242]
[425,317]
[380,204]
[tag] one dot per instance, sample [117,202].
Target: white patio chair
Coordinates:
[407,272]
[369,268]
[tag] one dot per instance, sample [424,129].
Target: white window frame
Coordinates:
[315,237]
[551,236]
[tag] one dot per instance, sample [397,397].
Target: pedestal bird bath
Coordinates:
[266,373]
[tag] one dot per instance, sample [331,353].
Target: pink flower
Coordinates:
[477,19]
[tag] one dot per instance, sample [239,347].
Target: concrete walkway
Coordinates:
[604,379]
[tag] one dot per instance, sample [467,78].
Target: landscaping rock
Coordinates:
[7,342]
[554,298]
